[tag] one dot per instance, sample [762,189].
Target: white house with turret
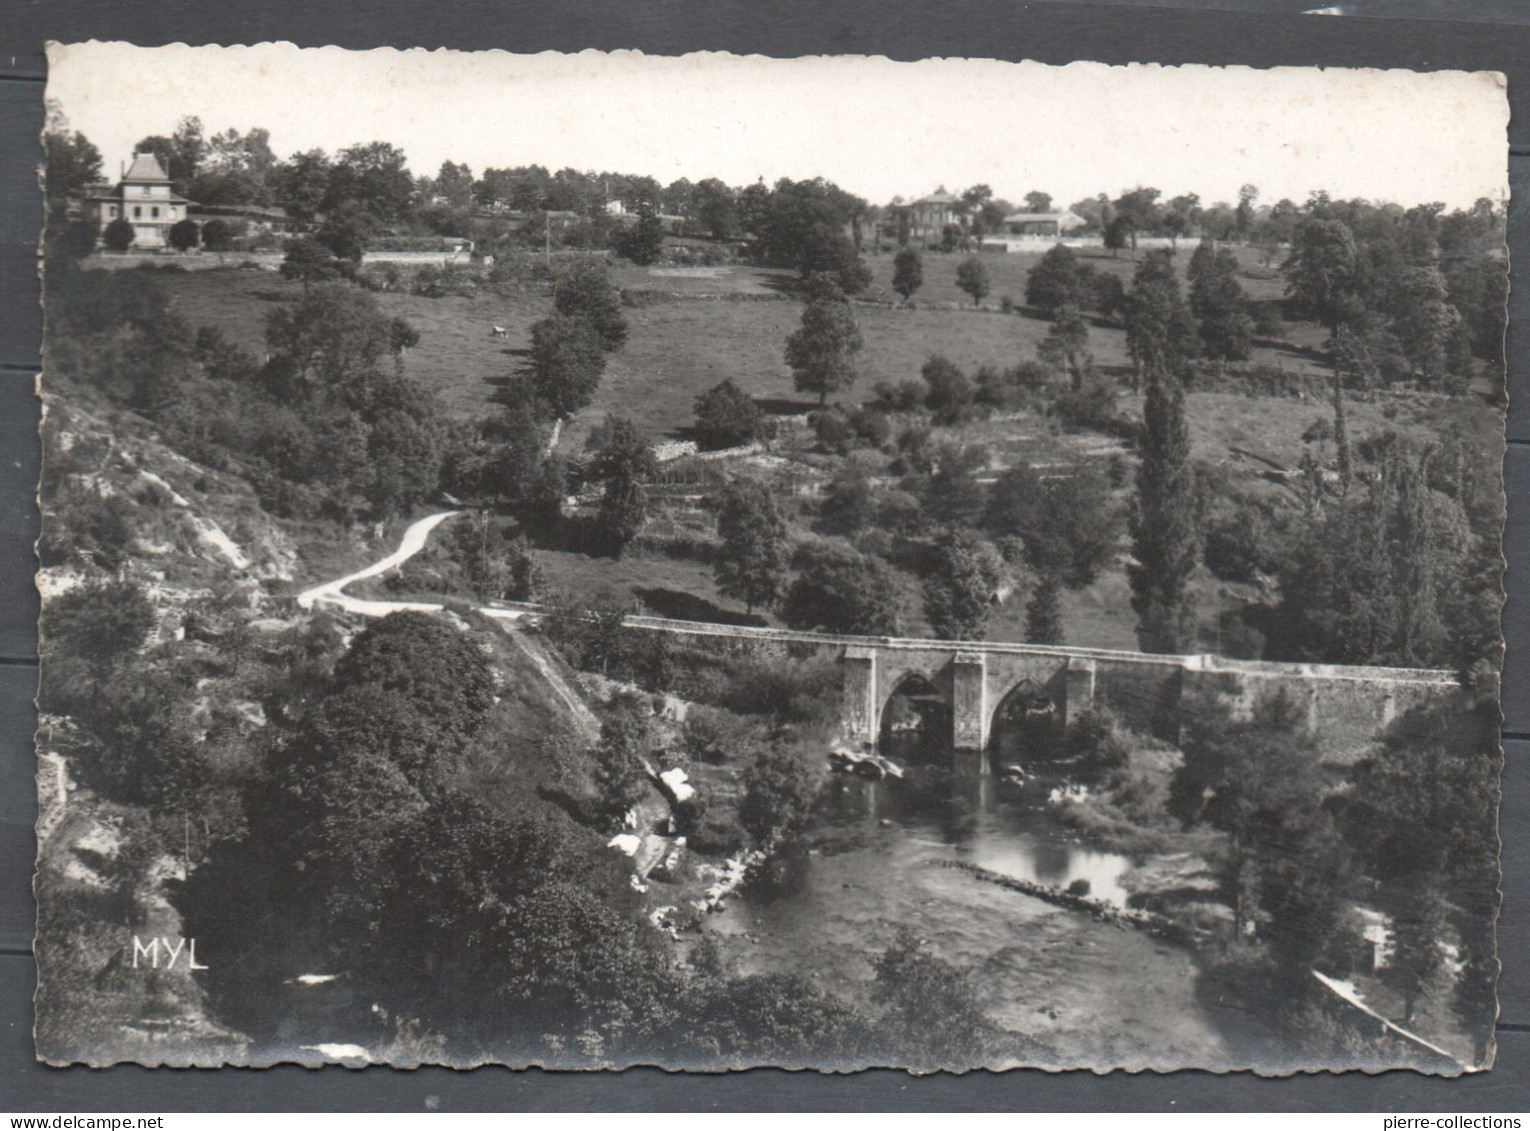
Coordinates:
[144,198]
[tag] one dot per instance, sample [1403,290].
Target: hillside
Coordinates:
[226,657]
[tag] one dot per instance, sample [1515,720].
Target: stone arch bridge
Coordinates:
[1347,707]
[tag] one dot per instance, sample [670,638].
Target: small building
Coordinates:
[1043,223]
[142,197]
[618,211]
[926,218]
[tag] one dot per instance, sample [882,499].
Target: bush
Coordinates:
[1092,405]
[118,235]
[451,280]
[1099,744]
[1269,317]
[870,426]
[218,235]
[726,417]
[1243,542]
[905,396]
[832,427]
[779,789]
[800,692]
[184,235]
[1011,389]
[713,736]
[950,393]
[387,277]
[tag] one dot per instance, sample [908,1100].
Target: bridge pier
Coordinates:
[969,701]
[969,712]
[862,706]
[1078,688]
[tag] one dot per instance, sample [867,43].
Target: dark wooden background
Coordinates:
[1416,34]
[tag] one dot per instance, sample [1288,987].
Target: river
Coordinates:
[1097,995]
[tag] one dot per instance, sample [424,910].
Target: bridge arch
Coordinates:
[915,716]
[1026,726]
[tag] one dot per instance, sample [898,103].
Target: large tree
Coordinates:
[302,182]
[726,417]
[752,562]
[1382,578]
[1055,283]
[566,363]
[843,591]
[1164,522]
[643,243]
[822,351]
[1260,781]
[1218,304]
[308,261]
[1422,320]
[960,585]
[585,291]
[1324,271]
[72,163]
[715,208]
[1164,517]
[1160,332]
[624,464]
[908,272]
[972,277]
[375,176]
[1067,523]
[805,224]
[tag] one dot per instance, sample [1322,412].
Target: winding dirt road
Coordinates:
[332,593]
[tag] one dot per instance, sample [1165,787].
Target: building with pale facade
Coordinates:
[144,198]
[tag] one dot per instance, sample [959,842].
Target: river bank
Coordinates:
[1080,986]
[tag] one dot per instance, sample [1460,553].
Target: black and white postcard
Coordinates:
[598,560]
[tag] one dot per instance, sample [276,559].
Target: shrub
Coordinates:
[1244,541]
[1099,744]
[870,426]
[382,277]
[791,692]
[726,417]
[118,235]
[1092,405]
[832,427]
[218,235]
[950,393]
[184,235]
[714,736]
[902,397]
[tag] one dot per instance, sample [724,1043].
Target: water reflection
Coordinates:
[934,814]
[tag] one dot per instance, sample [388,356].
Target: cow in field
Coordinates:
[499,332]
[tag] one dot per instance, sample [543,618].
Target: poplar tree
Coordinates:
[1164,517]
[1043,614]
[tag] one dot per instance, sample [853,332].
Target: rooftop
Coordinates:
[146,167]
[1070,218]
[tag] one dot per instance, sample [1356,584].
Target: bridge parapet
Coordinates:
[1347,706]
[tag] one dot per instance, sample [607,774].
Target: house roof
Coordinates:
[939,196]
[146,167]
[1061,219]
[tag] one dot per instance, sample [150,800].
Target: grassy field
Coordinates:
[1007,272]
[678,349]
[675,350]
